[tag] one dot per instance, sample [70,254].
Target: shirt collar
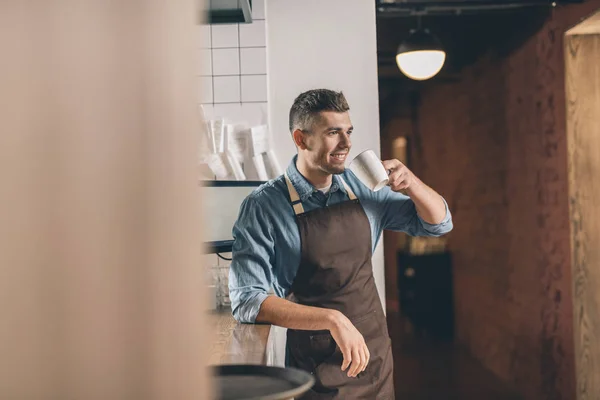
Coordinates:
[304,188]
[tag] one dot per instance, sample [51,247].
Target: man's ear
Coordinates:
[299,139]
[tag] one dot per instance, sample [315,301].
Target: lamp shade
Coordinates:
[421,56]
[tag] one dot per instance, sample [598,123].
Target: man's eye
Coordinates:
[333,132]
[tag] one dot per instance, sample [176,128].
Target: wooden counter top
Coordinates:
[235,343]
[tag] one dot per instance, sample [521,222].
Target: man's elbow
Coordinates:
[246,310]
[235,312]
[240,313]
[446,227]
[442,228]
[422,228]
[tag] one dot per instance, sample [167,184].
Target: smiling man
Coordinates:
[303,248]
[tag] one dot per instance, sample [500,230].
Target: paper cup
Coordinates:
[368,168]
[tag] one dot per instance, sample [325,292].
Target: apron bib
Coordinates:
[335,272]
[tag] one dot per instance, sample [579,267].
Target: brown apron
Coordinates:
[335,272]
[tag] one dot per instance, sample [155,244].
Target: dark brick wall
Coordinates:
[494,144]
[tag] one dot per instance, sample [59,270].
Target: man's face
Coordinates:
[328,143]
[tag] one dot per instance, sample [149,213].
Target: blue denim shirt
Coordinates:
[266,249]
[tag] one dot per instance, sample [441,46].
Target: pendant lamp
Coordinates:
[421,56]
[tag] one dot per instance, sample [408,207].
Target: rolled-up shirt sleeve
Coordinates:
[250,273]
[400,214]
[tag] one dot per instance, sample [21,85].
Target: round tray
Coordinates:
[253,382]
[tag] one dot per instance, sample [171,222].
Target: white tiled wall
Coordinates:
[232,84]
[232,70]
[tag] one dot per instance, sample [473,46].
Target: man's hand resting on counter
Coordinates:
[281,312]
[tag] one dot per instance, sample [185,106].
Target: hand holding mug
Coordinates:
[400,177]
[376,174]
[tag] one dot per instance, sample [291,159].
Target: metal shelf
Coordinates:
[219,246]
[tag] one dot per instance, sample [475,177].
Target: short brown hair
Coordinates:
[310,103]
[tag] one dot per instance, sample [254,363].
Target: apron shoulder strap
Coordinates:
[351,194]
[294,198]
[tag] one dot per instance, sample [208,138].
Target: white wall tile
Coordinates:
[224,35]
[204,62]
[204,36]
[231,112]
[252,34]
[255,113]
[205,89]
[254,60]
[258,9]
[226,61]
[226,89]
[254,88]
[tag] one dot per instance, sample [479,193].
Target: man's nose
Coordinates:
[345,140]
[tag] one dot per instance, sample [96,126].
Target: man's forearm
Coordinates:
[428,202]
[352,344]
[281,312]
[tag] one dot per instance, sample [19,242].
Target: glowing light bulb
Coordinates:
[421,65]
[420,56]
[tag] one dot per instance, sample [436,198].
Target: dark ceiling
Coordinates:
[467,29]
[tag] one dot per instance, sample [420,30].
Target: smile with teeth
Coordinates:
[339,156]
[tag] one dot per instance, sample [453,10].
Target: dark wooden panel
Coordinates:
[583,129]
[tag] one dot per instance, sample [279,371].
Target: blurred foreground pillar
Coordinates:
[101,287]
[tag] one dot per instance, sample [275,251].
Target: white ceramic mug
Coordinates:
[368,168]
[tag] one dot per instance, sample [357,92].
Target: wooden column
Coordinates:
[102,291]
[582,56]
